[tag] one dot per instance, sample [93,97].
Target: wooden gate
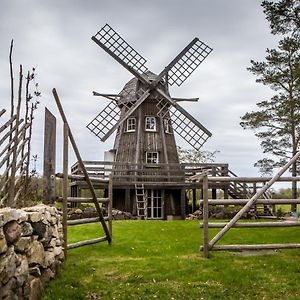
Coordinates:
[85,177]
[248,203]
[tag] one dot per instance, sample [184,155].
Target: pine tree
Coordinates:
[277,121]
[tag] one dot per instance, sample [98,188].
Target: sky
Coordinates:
[55,38]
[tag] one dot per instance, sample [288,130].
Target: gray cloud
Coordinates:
[55,37]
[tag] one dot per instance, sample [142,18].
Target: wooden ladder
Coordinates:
[141,201]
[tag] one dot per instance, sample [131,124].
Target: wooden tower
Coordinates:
[146,117]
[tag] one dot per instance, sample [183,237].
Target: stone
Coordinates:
[3,245]
[35,271]
[8,214]
[43,231]
[36,255]
[10,290]
[78,211]
[27,229]
[12,231]
[22,270]
[57,251]
[49,258]
[34,216]
[35,289]
[23,244]
[8,265]
[47,275]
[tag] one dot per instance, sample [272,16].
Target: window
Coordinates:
[150,124]
[130,125]
[167,126]
[151,157]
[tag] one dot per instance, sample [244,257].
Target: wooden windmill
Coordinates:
[146,116]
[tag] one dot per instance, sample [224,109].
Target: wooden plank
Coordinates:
[49,157]
[6,124]
[254,247]
[251,179]
[81,177]
[84,200]
[255,224]
[2,112]
[205,218]
[84,221]
[11,130]
[110,204]
[244,201]
[252,201]
[87,242]
[65,186]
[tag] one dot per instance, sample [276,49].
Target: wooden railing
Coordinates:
[130,173]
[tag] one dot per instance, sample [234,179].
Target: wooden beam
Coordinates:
[255,247]
[185,99]
[255,224]
[87,242]
[205,218]
[49,157]
[84,221]
[245,201]
[65,186]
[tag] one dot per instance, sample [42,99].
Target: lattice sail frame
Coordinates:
[190,61]
[119,47]
[189,131]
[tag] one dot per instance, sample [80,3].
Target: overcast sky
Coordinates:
[55,37]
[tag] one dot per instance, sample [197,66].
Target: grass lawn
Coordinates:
[161,260]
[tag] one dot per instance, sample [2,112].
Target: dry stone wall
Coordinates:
[31,250]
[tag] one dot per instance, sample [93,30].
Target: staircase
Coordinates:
[237,190]
[141,201]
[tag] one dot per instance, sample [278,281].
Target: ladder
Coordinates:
[141,201]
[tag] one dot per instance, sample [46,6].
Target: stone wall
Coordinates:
[31,250]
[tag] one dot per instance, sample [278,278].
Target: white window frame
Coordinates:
[130,125]
[150,121]
[150,159]
[167,126]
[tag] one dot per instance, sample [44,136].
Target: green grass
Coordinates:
[160,260]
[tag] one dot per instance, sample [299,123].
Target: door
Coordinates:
[155,204]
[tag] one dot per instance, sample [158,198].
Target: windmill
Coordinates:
[146,116]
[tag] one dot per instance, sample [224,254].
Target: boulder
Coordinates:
[43,231]
[22,270]
[23,244]
[36,254]
[27,229]
[8,265]
[12,231]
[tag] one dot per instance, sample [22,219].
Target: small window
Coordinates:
[150,124]
[167,126]
[130,125]
[151,157]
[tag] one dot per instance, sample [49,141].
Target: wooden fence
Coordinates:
[14,156]
[210,245]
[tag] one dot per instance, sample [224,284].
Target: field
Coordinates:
[161,260]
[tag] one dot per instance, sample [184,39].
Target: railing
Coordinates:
[125,173]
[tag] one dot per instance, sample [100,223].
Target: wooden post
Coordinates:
[252,201]
[182,203]
[194,193]
[205,217]
[65,186]
[49,157]
[110,204]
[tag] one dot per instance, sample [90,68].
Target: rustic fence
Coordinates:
[210,245]
[14,156]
